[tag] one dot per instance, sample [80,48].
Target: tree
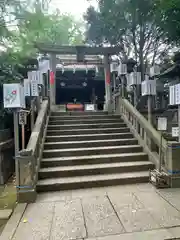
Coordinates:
[168,17]
[131,24]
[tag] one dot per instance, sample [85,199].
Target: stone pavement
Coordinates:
[131,212]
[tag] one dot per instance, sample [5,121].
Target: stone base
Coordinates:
[27,196]
[175,181]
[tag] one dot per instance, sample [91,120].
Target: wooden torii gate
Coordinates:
[80,52]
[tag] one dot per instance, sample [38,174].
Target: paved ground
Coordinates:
[132,212]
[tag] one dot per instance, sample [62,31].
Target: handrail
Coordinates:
[37,127]
[151,131]
[29,158]
[149,138]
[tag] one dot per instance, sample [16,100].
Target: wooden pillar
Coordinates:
[53,83]
[108,102]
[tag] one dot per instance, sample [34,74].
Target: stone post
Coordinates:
[108,101]
[172,163]
[53,85]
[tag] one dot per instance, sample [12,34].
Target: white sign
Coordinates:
[89,107]
[162,124]
[27,88]
[148,87]
[177,94]
[13,95]
[34,89]
[22,118]
[39,77]
[175,131]
[172,100]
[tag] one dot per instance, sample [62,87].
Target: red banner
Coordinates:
[52,78]
[108,78]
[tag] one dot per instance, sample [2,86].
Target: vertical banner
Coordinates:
[27,88]
[52,80]
[108,78]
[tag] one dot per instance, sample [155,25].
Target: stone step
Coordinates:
[86,126]
[86,137]
[60,121]
[91,151]
[56,184]
[78,117]
[94,159]
[94,169]
[87,131]
[93,143]
[77,113]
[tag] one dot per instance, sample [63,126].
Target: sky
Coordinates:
[75,7]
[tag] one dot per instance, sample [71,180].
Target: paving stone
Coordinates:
[36,222]
[5,214]
[101,220]
[159,234]
[161,210]
[172,196]
[68,222]
[175,231]
[13,222]
[71,194]
[132,213]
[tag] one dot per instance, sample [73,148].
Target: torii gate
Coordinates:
[80,52]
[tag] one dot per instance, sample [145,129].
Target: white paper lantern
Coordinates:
[148,87]
[154,71]
[122,69]
[114,67]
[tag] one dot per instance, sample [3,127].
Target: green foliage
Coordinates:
[168,17]
[24,22]
[131,24]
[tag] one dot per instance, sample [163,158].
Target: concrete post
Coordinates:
[53,85]
[172,163]
[108,102]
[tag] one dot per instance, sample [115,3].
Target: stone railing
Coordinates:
[29,159]
[150,139]
[6,155]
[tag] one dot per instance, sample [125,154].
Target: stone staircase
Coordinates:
[88,150]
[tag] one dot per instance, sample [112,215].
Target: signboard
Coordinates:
[177,94]
[175,131]
[174,95]
[172,100]
[39,77]
[27,88]
[13,95]
[89,107]
[148,87]
[22,118]
[162,124]
[34,89]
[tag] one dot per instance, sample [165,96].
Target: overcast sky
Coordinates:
[75,7]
